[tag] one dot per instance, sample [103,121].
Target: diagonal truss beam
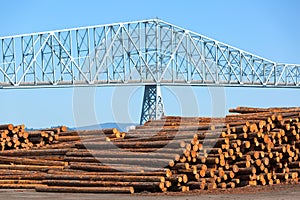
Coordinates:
[142,52]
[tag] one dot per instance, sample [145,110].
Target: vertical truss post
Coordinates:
[152,104]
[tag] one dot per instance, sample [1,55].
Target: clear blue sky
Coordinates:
[269,29]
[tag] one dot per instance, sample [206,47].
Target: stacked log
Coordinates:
[108,134]
[16,137]
[45,137]
[48,167]
[253,147]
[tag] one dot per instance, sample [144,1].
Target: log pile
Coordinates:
[254,146]
[66,165]
[13,137]
[16,137]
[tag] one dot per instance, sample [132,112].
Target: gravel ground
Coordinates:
[281,192]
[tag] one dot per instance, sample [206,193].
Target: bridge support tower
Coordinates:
[152,107]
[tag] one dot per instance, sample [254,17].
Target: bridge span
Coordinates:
[147,53]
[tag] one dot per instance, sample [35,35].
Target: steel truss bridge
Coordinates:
[148,53]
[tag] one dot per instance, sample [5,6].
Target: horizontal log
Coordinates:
[28,161]
[111,167]
[172,129]
[165,149]
[61,145]
[248,170]
[161,173]
[107,177]
[17,181]
[60,158]
[54,130]
[20,186]
[120,153]
[82,133]
[34,152]
[189,135]
[124,144]
[7,127]
[242,109]
[24,176]
[129,190]
[30,167]
[188,119]
[156,162]
[87,183]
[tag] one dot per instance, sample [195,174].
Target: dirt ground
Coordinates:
[281,192]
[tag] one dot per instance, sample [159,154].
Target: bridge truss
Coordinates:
[149,52]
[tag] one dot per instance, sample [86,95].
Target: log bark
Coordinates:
[129,190]
[28,161]
[87,183]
